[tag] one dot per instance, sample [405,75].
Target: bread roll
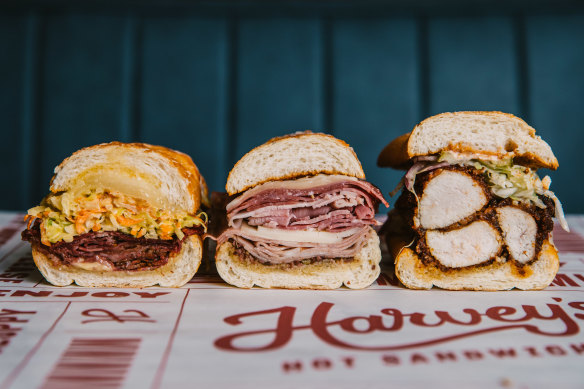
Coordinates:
[484,134]
[302,217]
[120,215]
[473,213]
[292,156]
[414,274]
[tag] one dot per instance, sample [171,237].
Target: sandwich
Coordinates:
[300,215]
[120,215]
[473,213]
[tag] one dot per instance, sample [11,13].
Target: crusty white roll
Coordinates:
[120,215]
[480,133]
[473,213]
[300,217]
[292,156]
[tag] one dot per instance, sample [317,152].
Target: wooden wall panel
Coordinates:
[279,79]
[183,85]
[13,34]
[81,85]
[472,65]
[555,47]
[216,84]
[375,88]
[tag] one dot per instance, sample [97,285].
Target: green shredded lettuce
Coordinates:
[62,217]
[506,180]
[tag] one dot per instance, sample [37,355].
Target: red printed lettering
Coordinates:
[9,330]
[499,313]
[473,355]
[73,294]
[348,361]
[502,353]
[389,359]
[562,280]
[578,348]
[527,317]
[532,351]
[6,312]
[322,364]
[418,358]
[110,294]
[99,315]
[578,305]
[292,366]
[13,275]
[555,350]
[449,356]
[282,332]
[21,293]
[150,295]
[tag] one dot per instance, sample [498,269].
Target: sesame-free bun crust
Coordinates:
[178,271]
[358,273]
[166,178]
[479,133]
[292,156]
[414,274]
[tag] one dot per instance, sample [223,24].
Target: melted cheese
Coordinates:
[299,183]
[92,266]
[122,180]
[311,236]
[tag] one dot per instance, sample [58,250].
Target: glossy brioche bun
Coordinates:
[166,178]
[293,156]
[481,133]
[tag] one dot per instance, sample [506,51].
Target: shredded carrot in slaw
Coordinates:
[62,218]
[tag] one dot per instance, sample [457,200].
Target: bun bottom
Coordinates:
[179,269]
[414,274]
[358,273]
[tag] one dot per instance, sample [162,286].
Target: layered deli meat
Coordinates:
[107,230]
[324,216]
[452,201]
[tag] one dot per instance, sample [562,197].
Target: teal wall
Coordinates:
[214,81]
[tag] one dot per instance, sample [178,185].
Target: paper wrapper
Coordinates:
[208,334]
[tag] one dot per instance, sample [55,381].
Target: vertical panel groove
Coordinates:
[136,63]
[31,109]
[232,59]
[423,66]
[327,76]
[127,113]
[520,37]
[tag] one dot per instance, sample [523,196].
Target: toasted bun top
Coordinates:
[292,156]
[166,178]
[478,133]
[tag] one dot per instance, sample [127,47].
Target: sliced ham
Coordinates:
[279,251]
[332,214]
[335,203]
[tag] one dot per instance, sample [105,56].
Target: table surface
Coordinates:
[210,334]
